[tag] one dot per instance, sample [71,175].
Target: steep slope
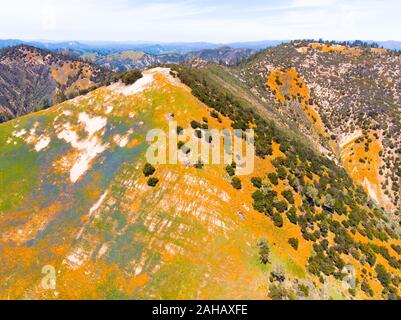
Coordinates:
[73,196]
[224,55]
[347,99]
[31,79]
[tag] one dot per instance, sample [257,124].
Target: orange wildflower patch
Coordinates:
[361,158]
[336,48]
[287,85]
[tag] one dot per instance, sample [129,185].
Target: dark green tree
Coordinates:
[236,183]
[152,182]
[148,170]
[130,77]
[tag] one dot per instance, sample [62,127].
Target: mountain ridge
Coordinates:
[193,235]
[163,48]
[306,82]
[77,192]
[126,60]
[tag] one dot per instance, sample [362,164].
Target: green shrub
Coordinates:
[327,202]
[130,77]
[264,251]
[204,126]
[320,263]
[281,173]
[236,183]
[214,114]
[195,124]
[199,165]
[396,248]
[369,254]
[257,182]
[383,276]
[281,206]
[180,130]
[278,276]
[273,178]
[148,170]
[198,134]
[152,182]
[304,289]
[367,289]
[292,215]
[288,195]
[278,220]
[180,144]
[312,194]
[278,292]
[230,170]
[294,243]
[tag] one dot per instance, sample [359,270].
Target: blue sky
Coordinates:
[200,20]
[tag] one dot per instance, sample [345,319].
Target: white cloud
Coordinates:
[49,20]
[196,20]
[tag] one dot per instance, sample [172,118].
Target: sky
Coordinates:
[219,21]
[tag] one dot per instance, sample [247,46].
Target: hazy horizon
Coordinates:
[186,42]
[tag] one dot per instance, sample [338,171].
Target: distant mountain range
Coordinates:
[148,47]
[125,56]
[130,59]
[155,48]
